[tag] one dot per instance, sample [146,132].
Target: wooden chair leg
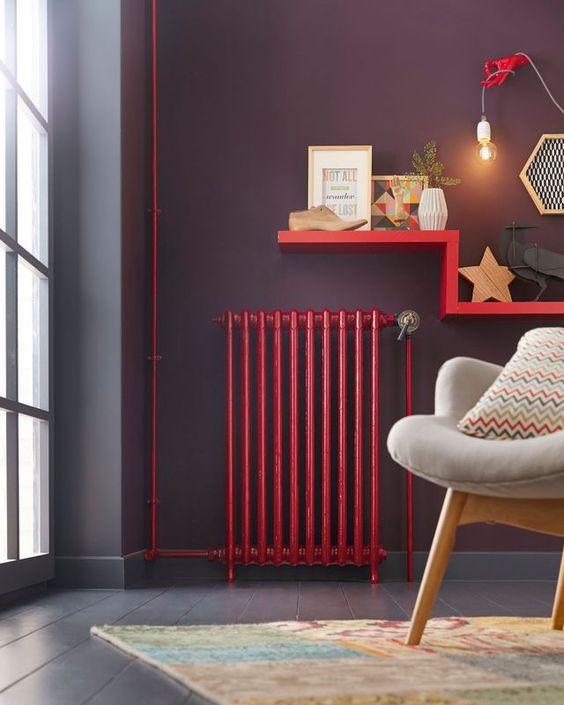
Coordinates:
[443,542]
[558,608]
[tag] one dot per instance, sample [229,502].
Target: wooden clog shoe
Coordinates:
[321,218]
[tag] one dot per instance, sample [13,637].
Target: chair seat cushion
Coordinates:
[433,448]
[527,399]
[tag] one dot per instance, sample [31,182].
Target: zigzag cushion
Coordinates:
[527,399]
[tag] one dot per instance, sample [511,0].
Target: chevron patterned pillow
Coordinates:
[527,399]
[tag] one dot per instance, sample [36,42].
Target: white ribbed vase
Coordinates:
[433,211]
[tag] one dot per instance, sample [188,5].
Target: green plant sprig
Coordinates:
[429,165]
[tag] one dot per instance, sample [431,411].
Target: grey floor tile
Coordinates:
[142,685]
[272,602]
[371,602]
[46,612]
[322,601]
[405,594]
[224,605]
[69,679]
[170,606]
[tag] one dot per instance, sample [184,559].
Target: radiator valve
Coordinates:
[408,321]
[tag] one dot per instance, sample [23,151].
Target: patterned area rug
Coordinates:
[477,661]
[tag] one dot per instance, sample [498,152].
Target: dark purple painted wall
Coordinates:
[245,87]
[135,293]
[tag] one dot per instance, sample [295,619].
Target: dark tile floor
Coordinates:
[47,656]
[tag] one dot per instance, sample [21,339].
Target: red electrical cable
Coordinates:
[409,497]
[154,356]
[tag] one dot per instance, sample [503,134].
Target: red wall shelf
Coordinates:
[444,241]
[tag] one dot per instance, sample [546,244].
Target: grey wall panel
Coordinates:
[87,221]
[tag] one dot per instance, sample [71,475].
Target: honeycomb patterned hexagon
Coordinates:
[543,175]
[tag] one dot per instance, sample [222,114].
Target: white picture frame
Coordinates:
[340,177]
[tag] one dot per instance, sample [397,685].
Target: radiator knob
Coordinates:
[408,321]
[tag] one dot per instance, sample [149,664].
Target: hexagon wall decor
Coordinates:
[543,175]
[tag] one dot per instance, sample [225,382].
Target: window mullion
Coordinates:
[11,163]
[11,213]
[11,326]
[12,470]
[12,481]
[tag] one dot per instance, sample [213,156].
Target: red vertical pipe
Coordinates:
[310,438]
[154,356]
[261,437]
[294,444]
[326,440]
[277,436]
[374,441]
[245,439]
[358,440]
[342,440]
[409,493]
[229,452]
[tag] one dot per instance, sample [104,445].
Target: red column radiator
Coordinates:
[302,438]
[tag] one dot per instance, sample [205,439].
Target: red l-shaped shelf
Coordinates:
[443,241]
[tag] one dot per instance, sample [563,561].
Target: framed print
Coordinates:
[394,202]
[339,178]
[543,175]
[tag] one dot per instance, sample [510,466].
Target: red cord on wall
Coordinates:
[154,357]
[153,551]
[409,497]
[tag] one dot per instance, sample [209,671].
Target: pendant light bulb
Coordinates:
[486,151]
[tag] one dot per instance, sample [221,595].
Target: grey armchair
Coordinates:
[517,482]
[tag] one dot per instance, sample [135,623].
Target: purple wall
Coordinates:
[135,294]
[245,87]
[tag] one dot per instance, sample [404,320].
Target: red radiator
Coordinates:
[302,438]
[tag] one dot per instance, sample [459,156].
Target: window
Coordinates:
[33,492]
[24,292]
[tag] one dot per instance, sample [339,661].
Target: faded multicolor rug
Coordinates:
[477,661]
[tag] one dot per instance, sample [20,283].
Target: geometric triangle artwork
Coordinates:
[383,203]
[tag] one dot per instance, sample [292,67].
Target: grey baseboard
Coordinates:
[510,565]
[467,565]
[99,572]
[119,572]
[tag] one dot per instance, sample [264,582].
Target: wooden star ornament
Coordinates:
[490,280]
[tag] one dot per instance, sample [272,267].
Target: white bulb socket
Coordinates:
[484,132]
